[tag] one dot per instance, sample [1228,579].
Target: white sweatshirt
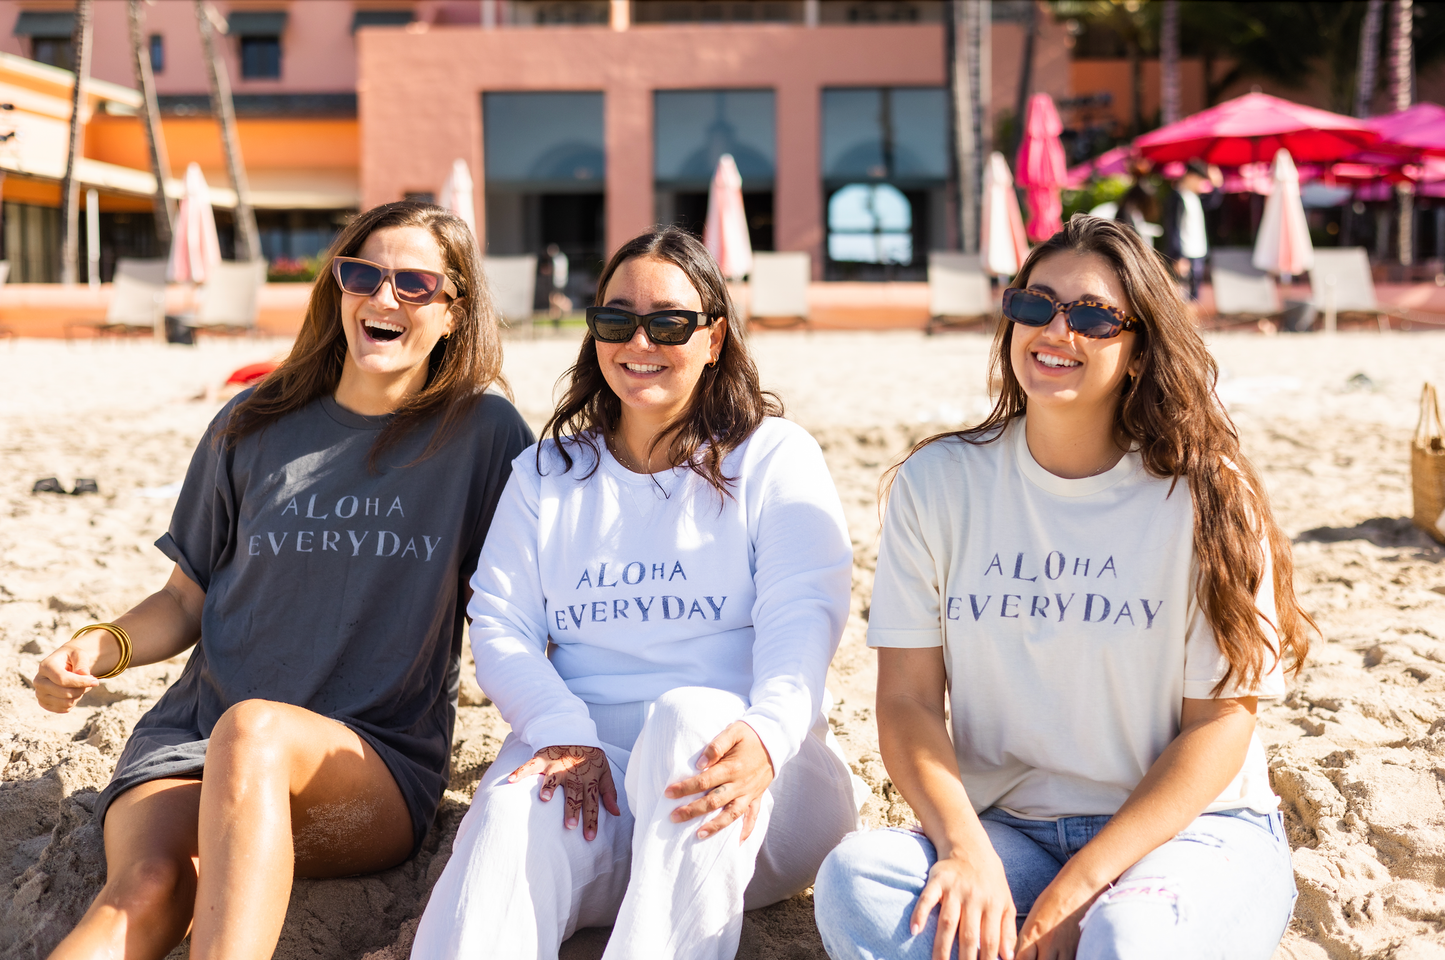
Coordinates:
[648,583]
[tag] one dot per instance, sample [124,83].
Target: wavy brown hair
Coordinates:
[728,403]
[1171,415]
[461,366]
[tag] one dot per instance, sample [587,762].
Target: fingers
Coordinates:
[590,795]
[1008,932]
[715,799]
[750,820]
[948,929]
[718,748]
[729,812]
[60,682]
[532,766]
[927,900]
[609,793]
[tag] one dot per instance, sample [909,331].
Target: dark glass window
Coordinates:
[158,53]
[53,50]
[261,58]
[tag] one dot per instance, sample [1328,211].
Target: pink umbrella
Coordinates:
[1418,131]
[456,195]
[195,248]
[725,233]
[1253,128]
[1001,241]
[1041,167]
[1283,245]
[1110,163]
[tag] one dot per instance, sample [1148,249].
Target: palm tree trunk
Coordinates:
[968,87]
[1369,57]
[1169,62]
[1402,94]
[1026,76]
[248,236]
[1136,90]
[150,117]
[70,184]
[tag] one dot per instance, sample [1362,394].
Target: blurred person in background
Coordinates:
[1186,236]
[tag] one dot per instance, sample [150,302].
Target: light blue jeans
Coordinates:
[1222,888]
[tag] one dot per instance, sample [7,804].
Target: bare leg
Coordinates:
[273,769]
[144,908]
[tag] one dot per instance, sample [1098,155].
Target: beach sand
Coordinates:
[1357,749]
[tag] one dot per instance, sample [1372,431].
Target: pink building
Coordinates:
[582,121]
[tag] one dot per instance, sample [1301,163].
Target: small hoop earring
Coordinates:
[447,335]
[712,362]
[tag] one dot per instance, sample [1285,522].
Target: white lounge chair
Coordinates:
[514,286]
[137,301]
[778,293]
[959,293]
[4,276]
[229,301]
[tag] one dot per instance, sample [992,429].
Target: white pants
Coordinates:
[518,883]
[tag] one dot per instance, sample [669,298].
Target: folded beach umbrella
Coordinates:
[1002,241]
[1251,128]
[725,233]
[1041,167]
[195,249]
[456,195]
[1283,245]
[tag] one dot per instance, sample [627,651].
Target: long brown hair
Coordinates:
[728,403]
[1170,414]
[461,366]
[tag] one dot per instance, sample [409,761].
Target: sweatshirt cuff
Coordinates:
[781,747]
[561,732]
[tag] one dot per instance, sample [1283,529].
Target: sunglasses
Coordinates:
[1087,317]
[664,328]
[362,278]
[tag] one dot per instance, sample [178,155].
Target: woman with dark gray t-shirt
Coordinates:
[321,543]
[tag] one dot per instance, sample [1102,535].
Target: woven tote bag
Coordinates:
[1427,466]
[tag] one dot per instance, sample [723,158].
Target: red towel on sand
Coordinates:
[252,373]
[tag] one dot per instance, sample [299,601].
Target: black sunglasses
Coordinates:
[1087,317]
[665,328]
[362,278]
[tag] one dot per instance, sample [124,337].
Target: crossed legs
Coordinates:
[286,792]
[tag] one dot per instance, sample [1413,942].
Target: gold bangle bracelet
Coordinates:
[121,637]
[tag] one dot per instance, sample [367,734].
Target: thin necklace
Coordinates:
[625,460]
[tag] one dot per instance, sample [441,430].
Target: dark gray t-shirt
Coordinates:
[330,586]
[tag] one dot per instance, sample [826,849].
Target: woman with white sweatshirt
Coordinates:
[665,581]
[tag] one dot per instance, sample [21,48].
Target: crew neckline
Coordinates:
[614,467]
[350,418]
[1128,464]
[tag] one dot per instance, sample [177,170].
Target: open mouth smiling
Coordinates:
[643,367]
[1055,361]
[381,330]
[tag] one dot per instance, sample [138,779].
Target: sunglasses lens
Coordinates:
[359,279]
[668,329]
[1094,322]
[415,286]
[1029,308]
[612,327]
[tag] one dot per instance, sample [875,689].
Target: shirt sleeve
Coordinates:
[803,577]
[904,611]
[510,436]
[203,524]
[1205,664]
[509,623]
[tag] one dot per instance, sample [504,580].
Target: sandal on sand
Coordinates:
[48,485]
[84,485]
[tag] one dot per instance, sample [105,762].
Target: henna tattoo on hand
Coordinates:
[583,769]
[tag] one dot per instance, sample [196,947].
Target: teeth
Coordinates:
[383,325]
[643,367]
[1049,360]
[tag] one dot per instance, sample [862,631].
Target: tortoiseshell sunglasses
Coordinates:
[1087,317]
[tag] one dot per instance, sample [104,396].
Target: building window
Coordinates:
[158,53]
[717,11]
[548,12]
[261,58]
[692,129]
[54,51]
[49,32]
[381,18]
[546,166]
[885,178]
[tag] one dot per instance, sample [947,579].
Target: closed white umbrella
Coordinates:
[725,234]
[456,195]
[195,249]
[1283,245]
[1002,240]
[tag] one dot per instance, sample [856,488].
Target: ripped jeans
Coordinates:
[1222,888]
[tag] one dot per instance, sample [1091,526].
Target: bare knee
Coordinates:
[251,733]
[152,888]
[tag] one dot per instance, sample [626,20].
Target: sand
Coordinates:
[1357,749]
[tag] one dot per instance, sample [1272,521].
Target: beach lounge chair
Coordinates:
[1242,291]
[959,294]
[229,301]
[1341,283]
[778,295]
[514,287]
[137,301]
[4,276]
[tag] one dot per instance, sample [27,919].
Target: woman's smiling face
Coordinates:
[652,380]
[385,336]
[1057,367]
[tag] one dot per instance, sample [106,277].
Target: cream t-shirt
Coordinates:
[1067,614]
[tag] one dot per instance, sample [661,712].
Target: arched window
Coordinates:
[870,223]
